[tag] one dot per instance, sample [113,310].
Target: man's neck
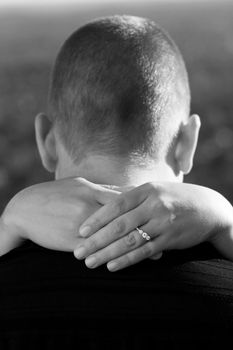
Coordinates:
[115,171]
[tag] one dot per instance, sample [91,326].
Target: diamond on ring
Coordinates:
[143,234]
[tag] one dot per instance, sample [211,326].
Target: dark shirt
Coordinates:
[50,300]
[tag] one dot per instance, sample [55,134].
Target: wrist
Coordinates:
[219,214]
[223,242]
[8,239]
[222,235]
[10,220]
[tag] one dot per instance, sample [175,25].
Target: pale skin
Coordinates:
[50,213]
[175,215]
[178,216]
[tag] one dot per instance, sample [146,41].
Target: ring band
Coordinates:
[143,234]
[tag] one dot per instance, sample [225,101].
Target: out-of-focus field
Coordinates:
[28,45]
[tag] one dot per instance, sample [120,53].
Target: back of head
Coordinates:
[119,87]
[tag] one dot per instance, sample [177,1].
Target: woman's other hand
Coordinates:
[174,215]
[50,213]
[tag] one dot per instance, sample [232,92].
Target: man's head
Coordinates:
[119,99]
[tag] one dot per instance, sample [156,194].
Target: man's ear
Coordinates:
[187,143]
[46,143]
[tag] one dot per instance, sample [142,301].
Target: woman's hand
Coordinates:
[50,213]
[174,215]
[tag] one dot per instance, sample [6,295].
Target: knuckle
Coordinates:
[92,244]
[130,240]
[119,227]
[95,223]
[156,189]
[165,204]
[120,206]
[152,205]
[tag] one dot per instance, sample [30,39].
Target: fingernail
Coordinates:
[84,231]
[80,253]
[112,266]
[91,261]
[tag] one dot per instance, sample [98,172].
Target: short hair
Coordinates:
[119,87]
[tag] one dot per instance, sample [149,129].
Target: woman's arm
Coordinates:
[50,213]
[177,216]
[174,215]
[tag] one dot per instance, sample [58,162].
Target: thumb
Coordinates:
[104,195]
[124,188]
[100,192]
[119,188]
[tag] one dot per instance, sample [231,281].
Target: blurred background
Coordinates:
[30,37]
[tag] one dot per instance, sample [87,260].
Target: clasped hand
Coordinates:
[98,223]
[174,215]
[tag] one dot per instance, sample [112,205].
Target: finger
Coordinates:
[115,249]
[145,251]
[122,204]
[120,247]
[120,227]
[83,181]
[124,188]
[119,188]
[156,256]
[112,232]
[102,194]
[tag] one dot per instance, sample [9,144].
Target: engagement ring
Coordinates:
[143,234]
